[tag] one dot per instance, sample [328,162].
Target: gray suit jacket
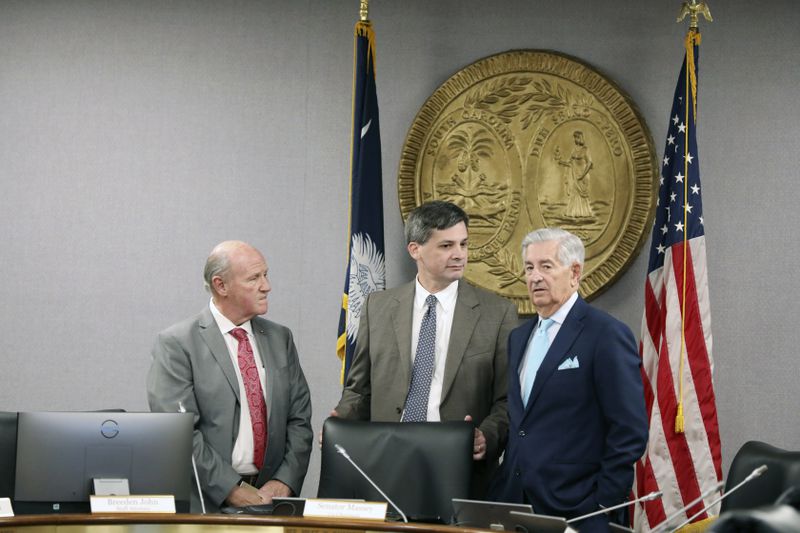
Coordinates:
[475,380]
[191,365]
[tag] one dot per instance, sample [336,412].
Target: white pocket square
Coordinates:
[569,363]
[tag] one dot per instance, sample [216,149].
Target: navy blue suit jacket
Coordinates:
[575,444]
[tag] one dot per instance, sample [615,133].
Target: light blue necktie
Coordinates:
[535,355]
[421,375]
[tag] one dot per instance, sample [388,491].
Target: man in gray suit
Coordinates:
[240,375]
[466,376]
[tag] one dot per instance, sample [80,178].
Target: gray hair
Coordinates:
[430,216]
[570,247]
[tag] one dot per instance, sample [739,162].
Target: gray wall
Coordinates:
[137,134]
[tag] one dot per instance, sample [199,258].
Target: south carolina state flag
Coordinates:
[366,270]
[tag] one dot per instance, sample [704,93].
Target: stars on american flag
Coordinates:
[677,218]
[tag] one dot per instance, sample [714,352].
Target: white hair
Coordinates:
[570,247]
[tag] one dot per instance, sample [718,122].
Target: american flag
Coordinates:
[683,458]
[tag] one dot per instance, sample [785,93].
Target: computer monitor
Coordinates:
[487,515]
[8,452]
[537,523]
[421,466]
[59,454]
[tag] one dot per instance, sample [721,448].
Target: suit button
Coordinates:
[516,473]
[399,410]
[522,433]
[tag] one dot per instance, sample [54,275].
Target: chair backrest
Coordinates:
[783,471]
[420,466]
[8,453]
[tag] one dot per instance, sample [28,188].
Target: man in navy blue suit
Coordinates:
[577,420]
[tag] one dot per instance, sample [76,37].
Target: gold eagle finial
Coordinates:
[363,10]
[693,8]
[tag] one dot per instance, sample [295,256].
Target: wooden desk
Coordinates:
[212,523]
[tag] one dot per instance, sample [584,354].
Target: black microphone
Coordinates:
[754,474]
[341,451]
[668,520]
[182,409]
[646,498]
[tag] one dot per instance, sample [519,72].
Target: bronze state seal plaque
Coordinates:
[529,139]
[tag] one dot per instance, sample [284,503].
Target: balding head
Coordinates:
[236,276]
[219,262]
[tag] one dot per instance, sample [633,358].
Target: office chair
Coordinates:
[783,472]
[421,466]
[770,519]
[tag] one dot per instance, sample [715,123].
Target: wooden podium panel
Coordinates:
[216,523]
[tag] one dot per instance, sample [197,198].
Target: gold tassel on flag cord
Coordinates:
[692,39]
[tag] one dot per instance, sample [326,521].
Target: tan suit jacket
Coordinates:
[475,379]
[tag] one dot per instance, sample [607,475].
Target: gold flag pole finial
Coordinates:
[363,10]
[693,8]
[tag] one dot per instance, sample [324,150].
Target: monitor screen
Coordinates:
[59,454]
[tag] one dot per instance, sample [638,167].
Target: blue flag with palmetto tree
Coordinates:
[366,269]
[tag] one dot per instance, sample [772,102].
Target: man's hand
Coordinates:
[478,442]
[274,489]
[333,413]
[242,495]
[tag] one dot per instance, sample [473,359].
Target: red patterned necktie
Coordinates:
[255,396]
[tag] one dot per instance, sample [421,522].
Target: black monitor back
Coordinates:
[8,453]
[59,453]
[420,466]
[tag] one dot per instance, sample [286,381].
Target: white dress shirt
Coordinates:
[243,449]
[445,307]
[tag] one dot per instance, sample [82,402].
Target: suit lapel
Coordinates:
[569,331]
[401,322]
[465,317]
[216,345]
[516,350]
[265,352]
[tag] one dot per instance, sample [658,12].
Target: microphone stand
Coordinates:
[341,451]
[645,498]
[667,521]
[754,474]
[182,409]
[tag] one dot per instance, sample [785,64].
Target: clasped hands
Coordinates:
[243,495]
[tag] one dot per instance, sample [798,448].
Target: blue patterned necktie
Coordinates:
[417,400]
[536,352]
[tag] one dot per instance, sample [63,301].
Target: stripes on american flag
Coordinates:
[677,365]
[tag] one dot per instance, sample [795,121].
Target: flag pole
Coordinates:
[693,9]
